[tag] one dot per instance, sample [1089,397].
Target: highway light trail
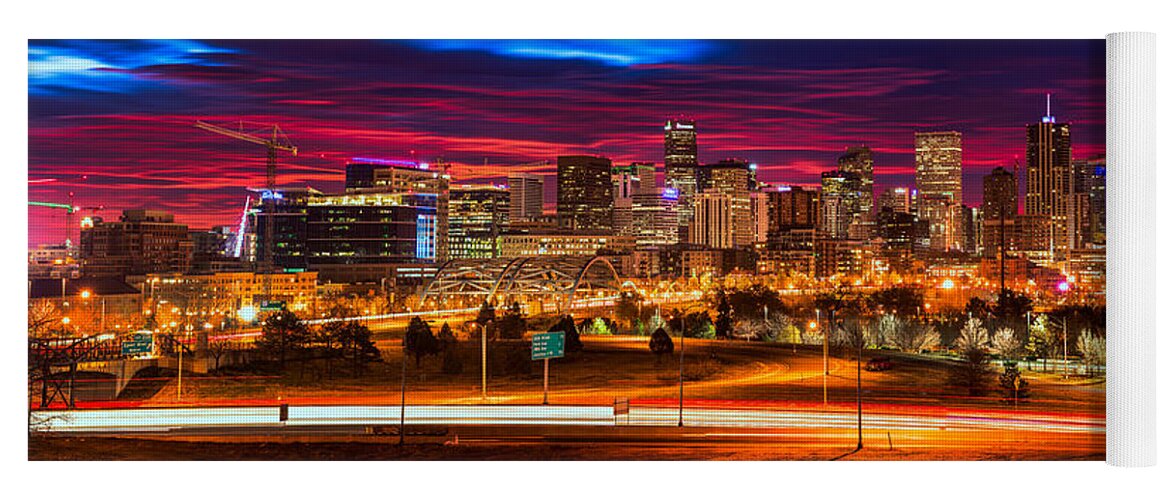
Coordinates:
[167,419]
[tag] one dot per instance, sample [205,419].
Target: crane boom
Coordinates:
[278,142]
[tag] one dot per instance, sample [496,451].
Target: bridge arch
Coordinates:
[560,279]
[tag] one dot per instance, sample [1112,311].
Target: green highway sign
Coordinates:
[273,305]
[132,347]
[548,345]
[140,343]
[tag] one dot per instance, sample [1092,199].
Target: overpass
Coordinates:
[564,280]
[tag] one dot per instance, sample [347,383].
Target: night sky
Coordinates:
[112,121]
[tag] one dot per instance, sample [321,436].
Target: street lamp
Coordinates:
[682,335]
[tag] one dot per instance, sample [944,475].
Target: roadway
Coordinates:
[153,420]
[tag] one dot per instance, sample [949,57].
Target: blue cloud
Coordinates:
[57,66]
[609,52]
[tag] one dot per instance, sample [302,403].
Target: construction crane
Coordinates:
[273,140]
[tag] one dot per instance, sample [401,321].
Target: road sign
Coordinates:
[133,347]
[548,345]
[139,343]
[621,406]
[273,305]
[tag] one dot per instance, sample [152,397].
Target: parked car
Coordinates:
[879,364]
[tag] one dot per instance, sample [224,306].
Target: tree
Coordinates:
[486,315]
[1012,306]
[916,337]
[752,302]
[419,341]
[354,343]
[217,349]
[661,343]
[723,317]
[1005,342]
[899,298]
[282,335]
[977,307]
[1041,340]
[973,336]
[512,324]
[446,337]
[572,339]
[887,329]
[1012,383]
[600,326]
[628,308]
[1093,349]
[972,373]
[698,323]
[42,316]
[852,334]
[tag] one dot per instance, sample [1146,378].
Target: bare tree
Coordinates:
[853,334]
[1093,349]
[972,336]
[42,315]
[886,329]
[916,337]
[1005,342]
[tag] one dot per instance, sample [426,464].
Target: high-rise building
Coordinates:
[840,193]
[585,193]
[627,183]
[141,242]
[680,160]
[714,223]
[1089,177]
[898,199]
[859,160]
[760,212]
[478,215]
[1000,212]
[732,178]
[357,235]
[644,178]
[938,159]
[1048,180]
[793,207]
[526,196]
[367,175]
[655,221]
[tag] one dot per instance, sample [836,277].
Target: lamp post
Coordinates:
[861,340]
[682,335]
[484,362]
[402,409]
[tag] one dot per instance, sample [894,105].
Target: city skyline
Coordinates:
[792,112]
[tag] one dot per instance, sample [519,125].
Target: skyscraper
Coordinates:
[1048,179]
[938,159]
[585,193]
[1089,177]
[714,223]
[840,192]
[898,199]
[655,222]
[733,179]
[858,160]
[478,216]
[368,175]
[526,196]
[792,207]
[1000,211]
[680,159]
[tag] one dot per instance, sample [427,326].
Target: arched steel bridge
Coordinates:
[502,280]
